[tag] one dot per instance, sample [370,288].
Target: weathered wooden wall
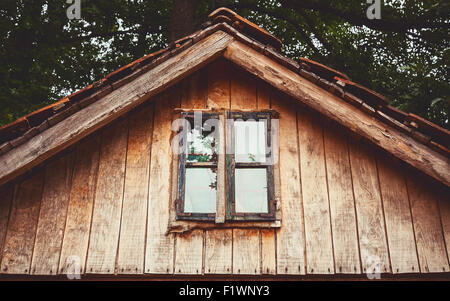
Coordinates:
[106,200]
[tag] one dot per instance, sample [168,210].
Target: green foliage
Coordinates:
[405,56]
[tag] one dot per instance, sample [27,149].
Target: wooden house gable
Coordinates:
[90,188]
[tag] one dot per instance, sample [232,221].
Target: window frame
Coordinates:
[181,181]
[231,165]
[179,221]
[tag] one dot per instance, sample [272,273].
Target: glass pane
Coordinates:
[251,190]
[201,143]
[250,141]
[200,190]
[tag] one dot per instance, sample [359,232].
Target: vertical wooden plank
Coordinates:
[290,237]
[319,245]
[243,90]
[52,216]
[399,228]
[105,228]
[189,246]
[6,195]
[79,213]
[268,251]
[342,204]
[19,241]
[371,228]
[218,251]
[427,225]
[189,253]
[246,250]
[263,95]
[160,245]
[134,209]
[443,195]
[194,90]
[268,245]
[218,85]
[246,243]
[218,246]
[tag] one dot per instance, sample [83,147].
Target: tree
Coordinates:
[404,55]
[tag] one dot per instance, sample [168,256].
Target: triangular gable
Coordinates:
[324,89]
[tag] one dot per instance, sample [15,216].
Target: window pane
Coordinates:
[251,190]
[250,141]
[201,144]
[200,190]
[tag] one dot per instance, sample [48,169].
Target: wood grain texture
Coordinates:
[218,84]
[134,210]
[290,237]
[52,216]
[392,140]
[6,195]
[371,227]
[218,251]
[443,195]
[113,105]
[268,244]
[243,90]
[194,90]
[319,244]
[160,245]
[263,95]
[342,203]
[104,236]
[246,252]
[268,252]
[246,243]
[427,225]
[189,253]
[399,227]
[189,246]
[81,200]
[21,233]
[218,243]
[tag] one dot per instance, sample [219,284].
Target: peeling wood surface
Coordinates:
[218,251]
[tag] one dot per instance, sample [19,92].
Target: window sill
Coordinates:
[186,226]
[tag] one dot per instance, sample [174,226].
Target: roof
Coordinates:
[20,131]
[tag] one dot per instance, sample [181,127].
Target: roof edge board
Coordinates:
[111,106]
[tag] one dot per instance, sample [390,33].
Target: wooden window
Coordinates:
[231,182]
[197,167]
[249,163]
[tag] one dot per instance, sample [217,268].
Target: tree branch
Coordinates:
[384,24]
